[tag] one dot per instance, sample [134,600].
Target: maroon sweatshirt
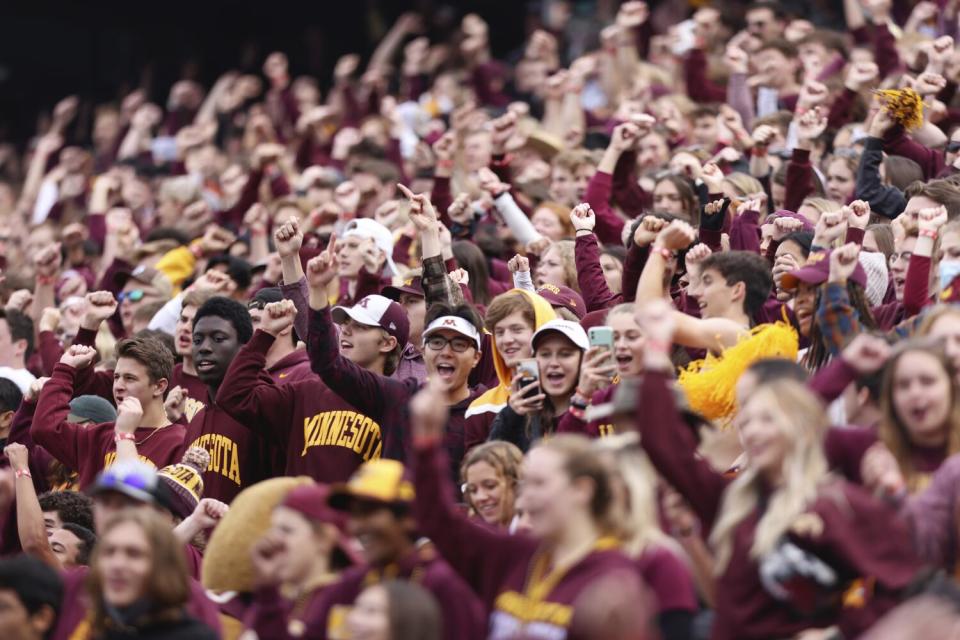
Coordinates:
[294,367]
[90,449]
[238,456]
[856,535]
[272,616]
[509,572]
[73,623]
[321,434]
[197,391]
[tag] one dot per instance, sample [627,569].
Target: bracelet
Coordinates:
[46,280]
[445,163]
[759,151]
[577,412]
[23,473]
[579,401]
[928,233]
[665,253]
[120,437]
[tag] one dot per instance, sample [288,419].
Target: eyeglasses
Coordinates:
[133,296]
[953,147]
[459,345]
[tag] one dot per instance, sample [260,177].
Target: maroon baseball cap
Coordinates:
[564,297]
[413,286]
[377,311]
[816,270]
[311,501]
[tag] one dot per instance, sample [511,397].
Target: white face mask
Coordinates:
[948,271]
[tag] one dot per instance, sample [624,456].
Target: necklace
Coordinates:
[150,435]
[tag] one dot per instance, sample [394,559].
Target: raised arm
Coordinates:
[586,254]
[30,527]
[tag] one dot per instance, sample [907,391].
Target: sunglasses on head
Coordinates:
[136,295]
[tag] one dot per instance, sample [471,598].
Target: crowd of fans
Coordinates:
[648,329]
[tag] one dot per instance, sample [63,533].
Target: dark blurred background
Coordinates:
[101,50]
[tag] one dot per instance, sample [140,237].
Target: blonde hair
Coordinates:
[823,205]
[640,522]
[745,184]
[506,460]
[804,473]
[566,250]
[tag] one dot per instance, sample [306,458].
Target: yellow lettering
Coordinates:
[111,457]
[220,447]
[235,464]
[347,429]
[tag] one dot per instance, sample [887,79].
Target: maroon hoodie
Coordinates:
[293,367]
[323,436]
[89,449]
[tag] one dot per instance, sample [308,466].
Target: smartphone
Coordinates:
[601,337]
[529,372]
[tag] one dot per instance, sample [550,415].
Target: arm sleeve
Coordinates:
[916,292]
[898,143]
[609,225]
[50,350]
[799,179]
[437,284]
[254,400]
[886,201]
[627,192]
[516,220]
[840,109]
[297,293]
[837,318]
[50,428]
[745,232]
[442,197]
[699,87]
[233,217]
[632,269]
[480,555]
[671,449]
[932,515]
[830,380]
[593,285]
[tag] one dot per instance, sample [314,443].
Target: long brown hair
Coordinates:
[168,586]
[505,458]
[893,432]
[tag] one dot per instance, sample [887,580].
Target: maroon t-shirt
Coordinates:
[669,578]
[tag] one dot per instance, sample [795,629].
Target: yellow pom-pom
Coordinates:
[710,383]
[905,106]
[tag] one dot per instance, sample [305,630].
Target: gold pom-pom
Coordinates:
[710,383]
[905,106]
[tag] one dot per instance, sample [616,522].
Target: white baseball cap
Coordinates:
[453,323]
[572,331]
[377,311]
[382,237]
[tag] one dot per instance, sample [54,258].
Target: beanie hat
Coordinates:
[185,480]
[875,264]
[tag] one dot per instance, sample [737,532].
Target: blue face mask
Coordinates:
[948,271]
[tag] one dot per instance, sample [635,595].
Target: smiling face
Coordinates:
[715,296]
[840,181]
[628,344]
[551,269]
[361,343]
[921,398]
[512,337]
[124,562]
[215,344]
[547,224]
[183,333]
[559,363]
[66,546]
[486,492]
[302,543]
[383,536]
[549,499]
[763,430]
[452,363]
[369,618]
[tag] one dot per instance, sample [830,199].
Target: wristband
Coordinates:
[577,412]
[759,151]
[445,163]
[120,437]
[928,233]
[657,345]
[665,253]
[23,473]
[46,280]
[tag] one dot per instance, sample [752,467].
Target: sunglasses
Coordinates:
[135,295]
[953,147]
